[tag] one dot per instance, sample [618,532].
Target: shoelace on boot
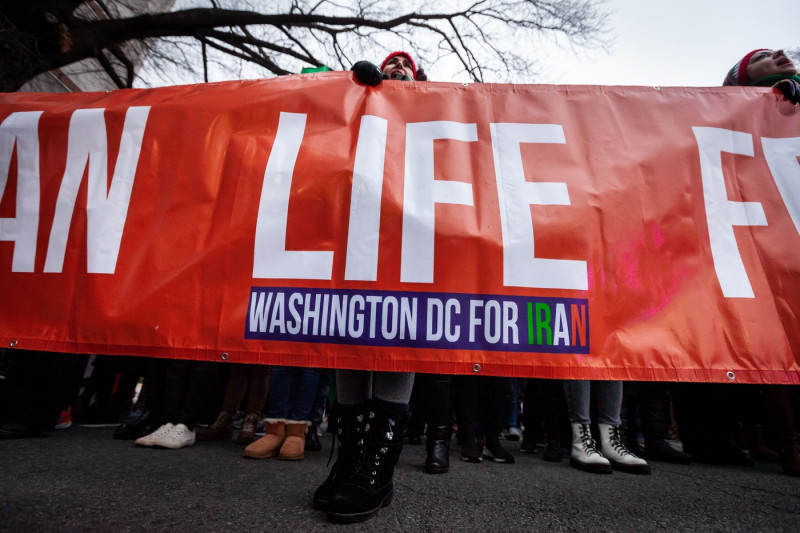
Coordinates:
[589,446]
[372,454]
[222,421]
[615,439]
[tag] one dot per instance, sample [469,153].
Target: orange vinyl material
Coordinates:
[637,215]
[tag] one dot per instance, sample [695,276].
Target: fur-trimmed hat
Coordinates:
[404,54]
[738,74]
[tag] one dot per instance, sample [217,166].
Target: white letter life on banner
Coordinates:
[21,129]
[106,207]
[365,201]
[271,258]
[521,267]
[782,159]
[722,214]
[421,193]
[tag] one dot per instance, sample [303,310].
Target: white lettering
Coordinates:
[271,259]
[722,214]
[782,159]
[106,207]
[521,268]
[421,193]
[365,201]
[21,130]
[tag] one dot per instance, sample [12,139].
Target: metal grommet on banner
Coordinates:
[224,356]
[465,84]
[657,88]
[731,375]
[12,344]
[476,368]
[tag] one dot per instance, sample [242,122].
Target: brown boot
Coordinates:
[295,443]
[219,430]
[248,431]
[757,444]
[270,443]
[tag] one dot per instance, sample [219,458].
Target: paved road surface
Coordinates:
[80,479]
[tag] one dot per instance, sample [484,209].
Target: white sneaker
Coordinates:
[149,440]
[513,433]
[179,437]
[618,454]
[585,455]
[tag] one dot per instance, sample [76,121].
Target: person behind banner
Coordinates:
[612,452]
[766,68]
[771,68]
[372,407]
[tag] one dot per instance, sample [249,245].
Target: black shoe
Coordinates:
[18,431]
[312,440]
[528,446]
[470,451]
[369,487]
[495,451]
[414,439]
[348,421]
[553,452]
[737,455]
[660,450]
[136,427]
[438,445]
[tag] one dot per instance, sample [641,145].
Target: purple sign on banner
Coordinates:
[419,320]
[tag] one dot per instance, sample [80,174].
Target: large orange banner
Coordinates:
[529,230]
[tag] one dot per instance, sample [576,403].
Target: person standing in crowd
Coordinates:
[186,395]
[291,395]
[771,68]
[612,453]
[372,407]
[242,378]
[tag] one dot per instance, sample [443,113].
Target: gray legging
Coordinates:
[354,387]
[609,401]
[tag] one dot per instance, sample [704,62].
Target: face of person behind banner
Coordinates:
[397,67]
[769,63]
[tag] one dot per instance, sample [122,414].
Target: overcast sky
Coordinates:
[679,42]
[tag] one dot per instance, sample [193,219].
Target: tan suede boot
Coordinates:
[295,443]
[270,443]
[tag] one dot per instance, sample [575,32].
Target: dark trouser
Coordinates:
[189,387]
[480,403]
[38,386]
[545,406]
[651,400]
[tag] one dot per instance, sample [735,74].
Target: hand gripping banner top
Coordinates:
[574,232]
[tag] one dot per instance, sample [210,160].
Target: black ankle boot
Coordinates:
[349,425]
[470,451]
[369,486]
[495,451]
[438,445]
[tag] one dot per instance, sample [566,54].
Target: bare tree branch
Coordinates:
[484,37]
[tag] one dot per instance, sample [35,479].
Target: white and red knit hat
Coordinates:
[738,74]
[404,54]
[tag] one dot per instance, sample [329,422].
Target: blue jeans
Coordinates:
[609,401]
[292,391]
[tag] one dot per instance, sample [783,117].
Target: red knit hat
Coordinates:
[404,54]
[738,74]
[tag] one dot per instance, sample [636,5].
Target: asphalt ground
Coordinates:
[81,479]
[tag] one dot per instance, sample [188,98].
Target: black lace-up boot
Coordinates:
[349,420]
[369,486]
